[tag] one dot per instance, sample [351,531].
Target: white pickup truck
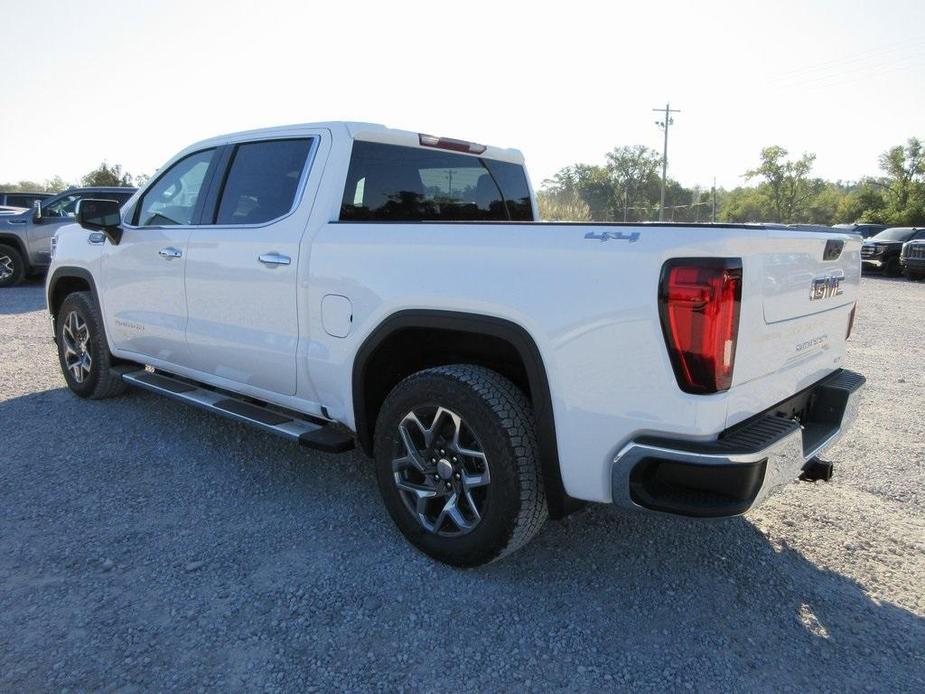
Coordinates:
[342,282]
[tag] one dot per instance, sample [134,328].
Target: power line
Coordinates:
[664,125]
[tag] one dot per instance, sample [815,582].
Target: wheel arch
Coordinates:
[64,281]
[416,339]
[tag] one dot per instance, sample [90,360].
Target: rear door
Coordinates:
[242,268]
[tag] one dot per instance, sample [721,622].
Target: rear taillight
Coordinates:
[699,302]
[851,319]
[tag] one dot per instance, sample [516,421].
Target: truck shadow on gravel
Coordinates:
[150,545]
[23,298]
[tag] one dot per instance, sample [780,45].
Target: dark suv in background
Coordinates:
[912,258]
[25,238]
[865,230]
[882,251]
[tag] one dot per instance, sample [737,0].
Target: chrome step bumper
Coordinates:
[735,472]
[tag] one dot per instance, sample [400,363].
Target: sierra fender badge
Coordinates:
[615,235]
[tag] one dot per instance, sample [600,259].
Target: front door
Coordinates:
[242,267]
[143,276]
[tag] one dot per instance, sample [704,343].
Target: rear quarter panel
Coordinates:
[590,306]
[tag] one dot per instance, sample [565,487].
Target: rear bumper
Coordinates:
[734,473]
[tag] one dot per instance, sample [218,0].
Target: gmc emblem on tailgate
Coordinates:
[826,286]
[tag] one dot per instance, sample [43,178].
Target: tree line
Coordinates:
[627,188]
[105,174]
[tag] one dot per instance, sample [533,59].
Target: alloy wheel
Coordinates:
[441,471]
[6,267]
[75,336]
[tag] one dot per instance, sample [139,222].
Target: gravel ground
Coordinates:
[147,545]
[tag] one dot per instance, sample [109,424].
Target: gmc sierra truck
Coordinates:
[342,283]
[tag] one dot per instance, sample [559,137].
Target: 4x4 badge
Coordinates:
[615,235]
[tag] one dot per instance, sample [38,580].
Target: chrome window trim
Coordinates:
[296,200]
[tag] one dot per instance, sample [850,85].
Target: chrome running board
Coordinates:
[308,431]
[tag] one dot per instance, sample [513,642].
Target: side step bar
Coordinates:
[310,433]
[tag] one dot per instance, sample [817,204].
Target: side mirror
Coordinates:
[37,211]
[101,215]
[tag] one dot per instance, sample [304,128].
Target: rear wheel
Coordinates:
[12,267]
[82,350]
[456,462]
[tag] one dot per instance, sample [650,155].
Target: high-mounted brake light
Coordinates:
[450,144]
[699,301]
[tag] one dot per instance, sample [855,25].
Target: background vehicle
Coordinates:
[24,200]
[882,251]
[342,281]
[865,230]
[25,237]
[912,258]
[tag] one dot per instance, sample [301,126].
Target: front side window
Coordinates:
[64,206]
[396,183]
[262,181]
[172,198]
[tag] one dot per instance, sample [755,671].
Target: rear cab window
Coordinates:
[396,183]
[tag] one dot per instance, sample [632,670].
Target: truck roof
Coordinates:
[355,130]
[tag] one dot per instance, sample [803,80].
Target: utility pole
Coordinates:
[714,199]
[664,125]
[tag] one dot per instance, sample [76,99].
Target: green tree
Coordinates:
[904,183]
[633,176]
[52,185]
[789,186]
[106,175]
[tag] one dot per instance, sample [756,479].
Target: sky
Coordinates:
[132,83]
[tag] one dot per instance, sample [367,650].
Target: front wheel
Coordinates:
[456,463]
[82,350]
[12,267]
[892,268]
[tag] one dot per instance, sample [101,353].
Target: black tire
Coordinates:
[12,266]
[499,417]
[98,381]
[914,276]
[892,268]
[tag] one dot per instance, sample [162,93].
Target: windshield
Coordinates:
[894,234]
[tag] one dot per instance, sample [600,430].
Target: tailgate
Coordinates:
[799,289]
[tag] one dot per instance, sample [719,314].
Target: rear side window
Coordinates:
[21,200]
[408,184]
[262,181]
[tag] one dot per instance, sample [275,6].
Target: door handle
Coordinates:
[170,252]
[274,259]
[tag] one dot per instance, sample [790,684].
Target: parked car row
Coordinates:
[25,234]
[895,251]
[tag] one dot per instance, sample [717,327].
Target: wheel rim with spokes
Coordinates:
[441,471]
[76,338]
[6,267]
